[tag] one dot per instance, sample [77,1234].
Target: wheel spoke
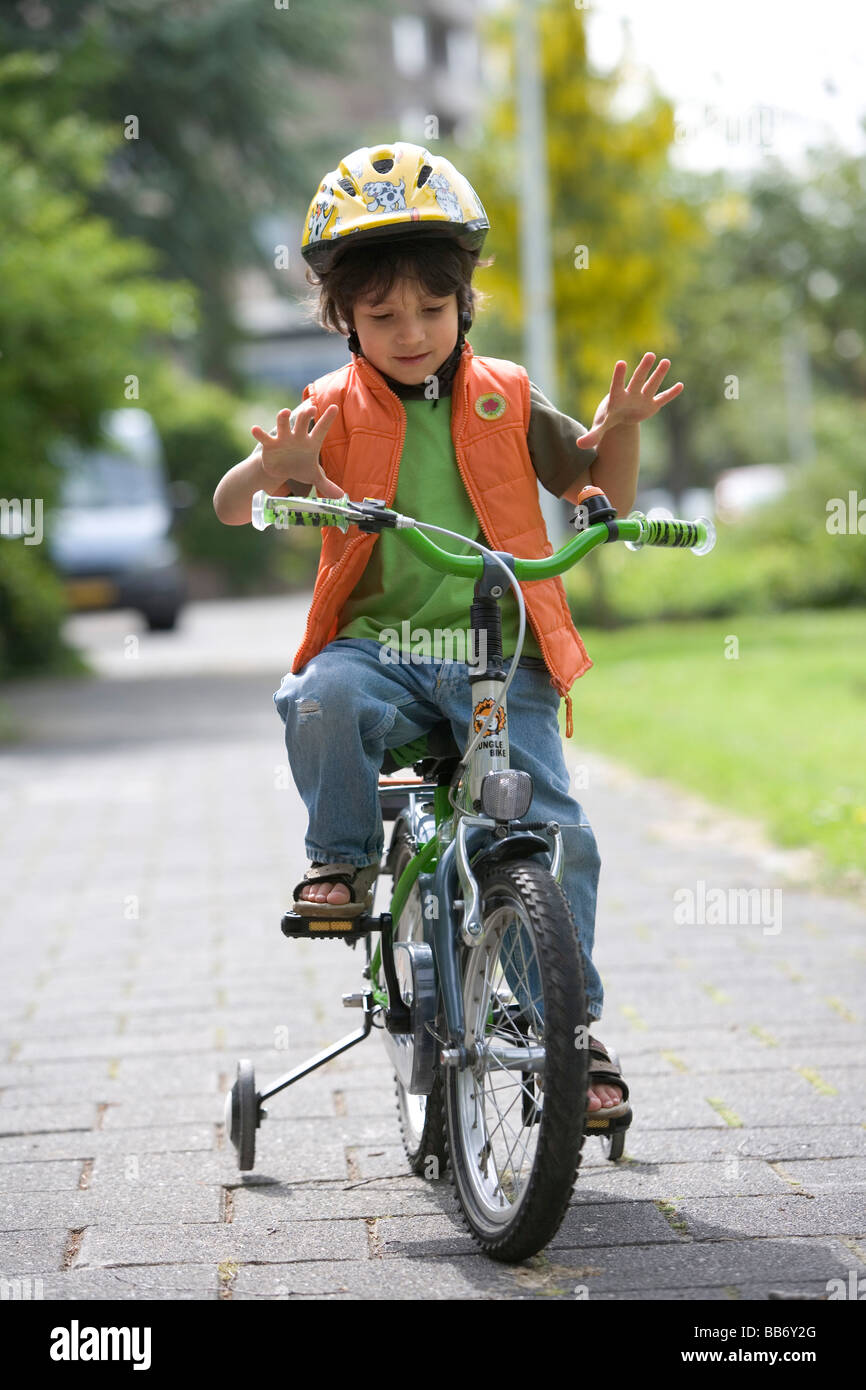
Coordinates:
[506,969]
[509,1111]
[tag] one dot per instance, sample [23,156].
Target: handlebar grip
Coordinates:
[276,511]
[681,533]
[699,535]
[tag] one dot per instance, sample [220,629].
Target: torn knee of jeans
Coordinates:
[308,708]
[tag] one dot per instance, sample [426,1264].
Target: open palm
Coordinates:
[629,405]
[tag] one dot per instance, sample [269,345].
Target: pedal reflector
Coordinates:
[330,924]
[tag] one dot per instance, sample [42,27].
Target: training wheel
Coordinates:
[613,1145]
[242,1115]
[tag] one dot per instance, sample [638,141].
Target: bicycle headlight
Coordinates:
[506,795]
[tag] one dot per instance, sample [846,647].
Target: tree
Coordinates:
[620,237]
[207,101]
[80,313]
[786,264]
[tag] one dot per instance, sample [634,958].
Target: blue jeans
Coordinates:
[347,706]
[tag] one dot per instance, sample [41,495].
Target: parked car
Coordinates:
[109,537]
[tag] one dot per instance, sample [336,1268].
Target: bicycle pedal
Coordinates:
[323,928]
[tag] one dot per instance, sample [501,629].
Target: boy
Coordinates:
[394,235]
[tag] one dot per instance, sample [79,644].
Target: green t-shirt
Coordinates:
[403,602]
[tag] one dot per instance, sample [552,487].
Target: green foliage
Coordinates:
[228,133]
[609,192]
[780,556]
[76,302]
[781,279]
[205,431]
[79,313]
[32,607]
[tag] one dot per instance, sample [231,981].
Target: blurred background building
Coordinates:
[419,77]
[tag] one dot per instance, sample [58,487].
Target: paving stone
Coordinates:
[424,1236]
[795,1214]
[32,1252]
[291,1155]
[18,1076]
[815,1289]
[274,1244]
[772,1144]
[47,1024]
[173,1078]
[831,1175]
[125,1206]
[84,1144]
[769,1098]
[388,1161]
[114,1171]
[35,1119]
[469,1277]
[144,1113]
[624,1182]
[39,1177]
[140,1283]
[107,1091]
[727,1041]
[758,1058]
[623,1223]
[693,1265]
[170,1047]
[308,1201]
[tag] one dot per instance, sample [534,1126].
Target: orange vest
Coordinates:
[361,453]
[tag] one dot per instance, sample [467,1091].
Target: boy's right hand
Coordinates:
[292,452]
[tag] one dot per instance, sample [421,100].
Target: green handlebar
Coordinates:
[636,531]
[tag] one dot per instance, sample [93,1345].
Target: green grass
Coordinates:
[776,733]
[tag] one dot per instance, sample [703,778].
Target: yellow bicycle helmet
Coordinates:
[390,191]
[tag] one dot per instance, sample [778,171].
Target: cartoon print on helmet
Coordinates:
[320,213]
[384,191]
[445,196]
[390,197]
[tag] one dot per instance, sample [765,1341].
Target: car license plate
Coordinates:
[90,593]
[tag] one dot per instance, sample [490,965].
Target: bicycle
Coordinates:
[476,982]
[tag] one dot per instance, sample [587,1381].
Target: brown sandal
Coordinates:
[359,881]
[604,1069]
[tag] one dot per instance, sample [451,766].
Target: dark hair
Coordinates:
[438,263]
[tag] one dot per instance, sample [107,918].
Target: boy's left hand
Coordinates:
[629,405]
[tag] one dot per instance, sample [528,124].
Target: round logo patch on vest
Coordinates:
[490,406]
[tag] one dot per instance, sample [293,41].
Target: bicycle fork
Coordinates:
[474,845]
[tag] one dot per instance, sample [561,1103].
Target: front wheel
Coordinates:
[514,1117]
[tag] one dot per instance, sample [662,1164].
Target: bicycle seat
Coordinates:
[433,751]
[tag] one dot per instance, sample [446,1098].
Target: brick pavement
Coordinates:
[148,847]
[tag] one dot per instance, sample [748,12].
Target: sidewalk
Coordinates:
[150,841]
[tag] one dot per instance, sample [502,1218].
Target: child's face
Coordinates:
[408,324]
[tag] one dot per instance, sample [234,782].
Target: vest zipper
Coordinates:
[358,540]
[557,684]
